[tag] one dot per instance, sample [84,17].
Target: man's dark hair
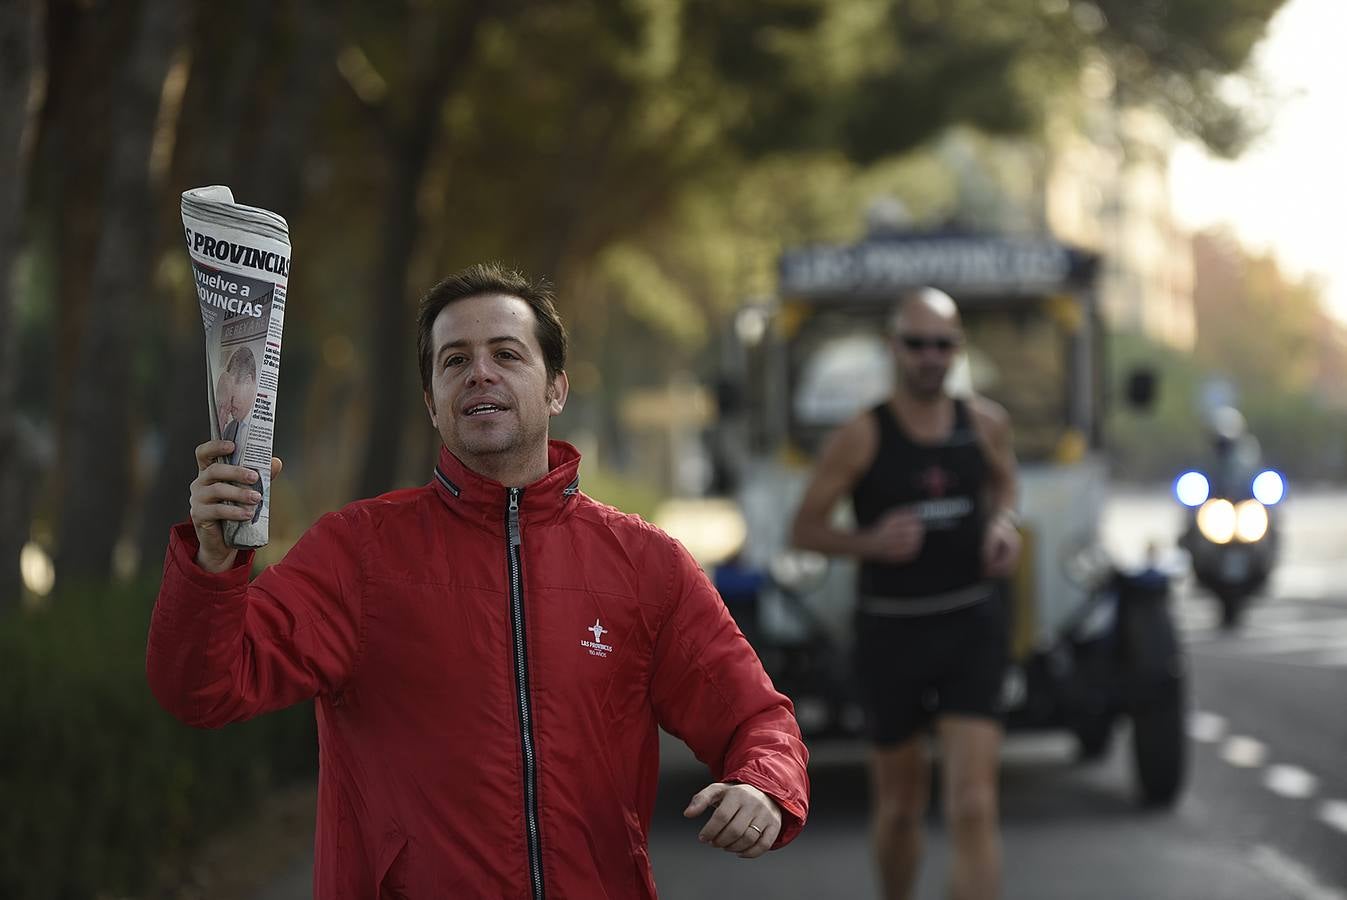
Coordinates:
[493,278]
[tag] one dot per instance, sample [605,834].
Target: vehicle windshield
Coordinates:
[1017,355]
[1021,359]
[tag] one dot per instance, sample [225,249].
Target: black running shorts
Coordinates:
[912,669]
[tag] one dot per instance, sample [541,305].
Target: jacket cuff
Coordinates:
[182,549]
[793,811]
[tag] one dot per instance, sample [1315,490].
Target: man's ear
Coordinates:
[557,392]
[430,407]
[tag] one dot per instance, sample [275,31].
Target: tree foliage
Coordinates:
[1266,334]
[650,156]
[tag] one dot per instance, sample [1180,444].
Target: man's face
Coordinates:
[224,398]
[924,346]
[243,397]
[490,397]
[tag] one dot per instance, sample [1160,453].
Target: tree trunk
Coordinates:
[20,48]
[95,497]
[392,351]
[272,178]
[65,193]
[411,141]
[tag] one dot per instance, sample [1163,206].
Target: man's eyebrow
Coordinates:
[463,342]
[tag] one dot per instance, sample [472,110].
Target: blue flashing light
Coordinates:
[1192,489]
[1269,488]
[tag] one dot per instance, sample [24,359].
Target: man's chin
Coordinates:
[487,445]
[470,439]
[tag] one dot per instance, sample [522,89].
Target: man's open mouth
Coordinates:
[480,409]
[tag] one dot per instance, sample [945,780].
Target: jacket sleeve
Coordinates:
[222,650]
[710,691]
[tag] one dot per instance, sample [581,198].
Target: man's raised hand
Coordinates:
[210,491]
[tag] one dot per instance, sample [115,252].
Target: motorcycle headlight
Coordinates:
[1217,520]
[1269,488]
[1192,489]
[1250,521]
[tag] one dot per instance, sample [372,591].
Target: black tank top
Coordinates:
[945,483]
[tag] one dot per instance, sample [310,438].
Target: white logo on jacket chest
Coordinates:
[594,647]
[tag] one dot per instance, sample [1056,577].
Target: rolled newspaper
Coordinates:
[240,266]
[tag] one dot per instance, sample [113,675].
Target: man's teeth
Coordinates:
[485,407]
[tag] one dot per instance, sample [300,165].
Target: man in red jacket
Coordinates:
[491,654]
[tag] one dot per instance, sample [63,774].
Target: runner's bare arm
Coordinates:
[992,424]
[1001,545]
[846,455]
[841,462]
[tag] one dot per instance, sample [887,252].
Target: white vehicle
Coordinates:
[1089,643]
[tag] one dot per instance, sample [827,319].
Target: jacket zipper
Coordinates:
[521,674]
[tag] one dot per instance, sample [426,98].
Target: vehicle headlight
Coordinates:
[712,529]
[799,570]
[1216,520]
[1192,489]
[1250,521]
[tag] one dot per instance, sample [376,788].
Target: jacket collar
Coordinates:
[483,499]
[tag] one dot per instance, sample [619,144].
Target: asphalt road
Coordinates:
[1264,816]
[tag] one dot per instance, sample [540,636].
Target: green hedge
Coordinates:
[103,793]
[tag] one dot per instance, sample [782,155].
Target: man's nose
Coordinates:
[481,369]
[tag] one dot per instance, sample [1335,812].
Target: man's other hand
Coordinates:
[217,497]
[746,821]
[1000,548]
[896,538]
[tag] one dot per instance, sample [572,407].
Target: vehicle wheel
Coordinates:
[1232,610]
[1160,746]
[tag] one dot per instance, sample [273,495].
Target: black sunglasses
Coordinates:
[916,343]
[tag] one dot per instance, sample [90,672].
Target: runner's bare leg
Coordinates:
[900,787]
[970,751]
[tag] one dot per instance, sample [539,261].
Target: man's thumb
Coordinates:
[702,800]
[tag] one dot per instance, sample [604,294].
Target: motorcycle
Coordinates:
[1231,535]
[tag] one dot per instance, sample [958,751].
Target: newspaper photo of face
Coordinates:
[235,395]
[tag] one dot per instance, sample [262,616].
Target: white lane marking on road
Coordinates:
[1272,616]
[1333,813]
[1274,645]
[1244,752]
[1319,626]
[1292,662]
[1290,781]
[1304,580]
[1205,727]
[1295,634]
[1292,875]
[1199,624]
[1331,659]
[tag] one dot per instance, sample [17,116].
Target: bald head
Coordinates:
[926,334]
[924,309]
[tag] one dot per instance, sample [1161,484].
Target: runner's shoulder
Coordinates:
[854,441]
[989,416]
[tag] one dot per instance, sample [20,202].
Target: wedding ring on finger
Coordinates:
[755,828]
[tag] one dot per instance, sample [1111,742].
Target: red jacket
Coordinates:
[489,684]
